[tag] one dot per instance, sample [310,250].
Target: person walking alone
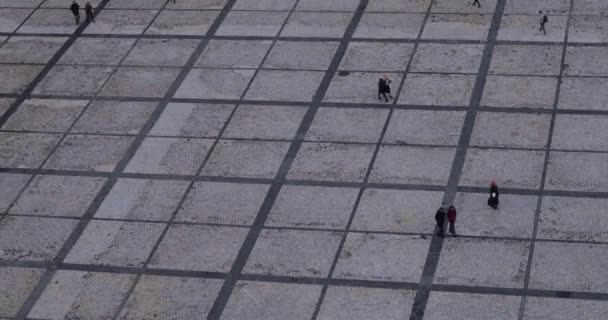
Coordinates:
[75,8]
[452,220]
[440,219]
[477,2]
[88,9]
[543,21]
[493,199]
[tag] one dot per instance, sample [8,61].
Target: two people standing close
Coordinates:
[440,219]
[88,10]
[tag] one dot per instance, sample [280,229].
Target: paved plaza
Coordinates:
[230,159]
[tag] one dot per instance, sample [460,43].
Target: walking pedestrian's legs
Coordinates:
[440,232]
[453,229]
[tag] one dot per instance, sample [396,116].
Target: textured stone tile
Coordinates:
[15,78]
[447,6]
[170,298]
[264,122]
[74,80]
[465,306]
[389,25]
[41,21]
[453,58]
[218,202]
[401,258]
[293,253]
[161,52]
[214,84]
[10,187]
[359,87]
[413,165]
[586,61]
[33,239]
[19,3]
[284,85]
[425,127]
[170,155]
[552,7]
[580,132]
[583,94]
[513,218]
[179,22]
[82,295]
[312,207]
[5,104]
[117,117]
[569,267]
[58,196]
[510,168]
[317,24]
[93,51]
[331,162]
[366,303]
[272,301]
[284,5]
[322,5]
[342,124]
[301,55]
[89,153]
[519,92]
[376,56]
[246,159]
[252,23]
[457,26]
[136,4]
[140,82]
[233,54]
[398,5]
[30,49]
[513,130]
[10,19]
[581,219]
[577,171]
[16,285]
[483,262]
[25,150]
[589,7]
[192,120]
[121,22]
[201,248]
[396,211]
[437,89]
[140,199]
[529,60]
[115,243]
[588,29]
[45,115]
[526,28]
[564,309]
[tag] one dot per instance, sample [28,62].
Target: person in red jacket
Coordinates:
[452,220]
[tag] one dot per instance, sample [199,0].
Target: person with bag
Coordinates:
[493,200]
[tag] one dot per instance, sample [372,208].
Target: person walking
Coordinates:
[477,2]
[88,10]
[75,8]
[543,20]
[440,219]
[452,220]
[493,200]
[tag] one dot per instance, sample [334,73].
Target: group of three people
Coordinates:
[451,214]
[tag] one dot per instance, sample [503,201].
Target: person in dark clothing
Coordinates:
[440,219]
[477,2]
[88,9]
[75,8]
[384,88]
[543,21]
[493,200]
[452,220]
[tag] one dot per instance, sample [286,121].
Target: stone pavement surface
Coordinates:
[229,159]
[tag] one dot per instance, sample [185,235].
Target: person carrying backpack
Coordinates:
[543,20]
